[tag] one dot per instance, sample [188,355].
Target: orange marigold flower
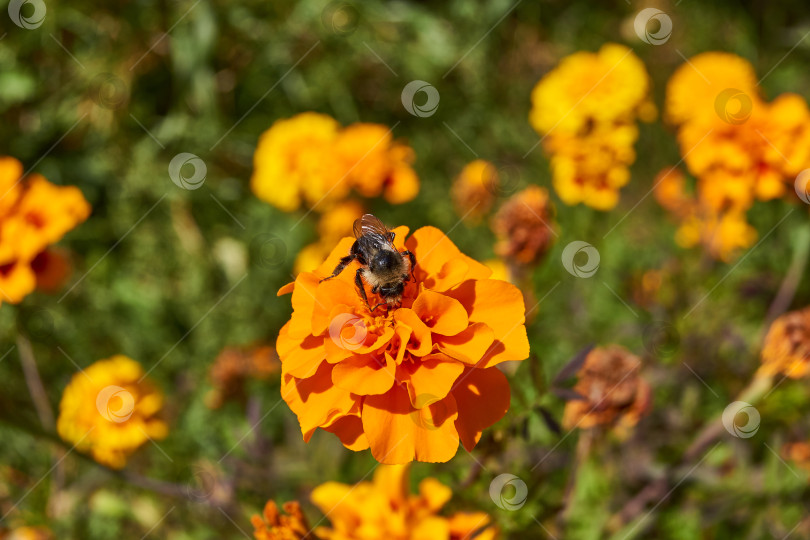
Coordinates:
[375,164]
[109,409]
[586,110]
[525,226]
[612,391]
[234,366]
[473,190]
[34,214]
[786,349]
[27,533]
[309,159]
[273,525]
[52,269]
[412,381]
[385,508]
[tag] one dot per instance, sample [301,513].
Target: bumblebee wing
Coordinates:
[368,225]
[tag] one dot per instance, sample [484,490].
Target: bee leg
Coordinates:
[412,259]
[378,305]
[358,280]
[344,262]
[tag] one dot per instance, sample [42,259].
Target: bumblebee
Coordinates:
[382,266]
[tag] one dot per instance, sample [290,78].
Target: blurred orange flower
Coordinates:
[786,349]
[611,389]
[309,159]
[274,525]
[413,381]
[524,226]
[33,215]
[27,533]
[382,508]
[474,189]
[586,110]
[109,409]
[234,366]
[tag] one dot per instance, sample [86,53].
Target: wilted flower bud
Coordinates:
[524,226]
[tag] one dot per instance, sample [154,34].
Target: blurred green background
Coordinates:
[104,95]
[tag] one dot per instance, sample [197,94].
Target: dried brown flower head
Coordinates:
[234,366]
[524,226]
[787,345]
[612,390]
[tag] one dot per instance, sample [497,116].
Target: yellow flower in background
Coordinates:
[292,162]
[375,164]
[382,508]
[586,110]
[786,349]
[34,214]
[474,189]
[308,159]
[27,533]
[109,409]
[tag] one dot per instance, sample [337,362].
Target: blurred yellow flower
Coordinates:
[382,508]
[27,533]
[34,214]
[109,409]
[586,110]
[308,159]
[474,189]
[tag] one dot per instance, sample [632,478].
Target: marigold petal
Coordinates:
[397,433]
[430,379]
[419,342]
[433,249]
[316,401]
[303,303]
[482,396]
[349,430]
[442,314]
[431,528]
[365,374]
[500,305]
[434,494]
[299,358]
[470,345]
